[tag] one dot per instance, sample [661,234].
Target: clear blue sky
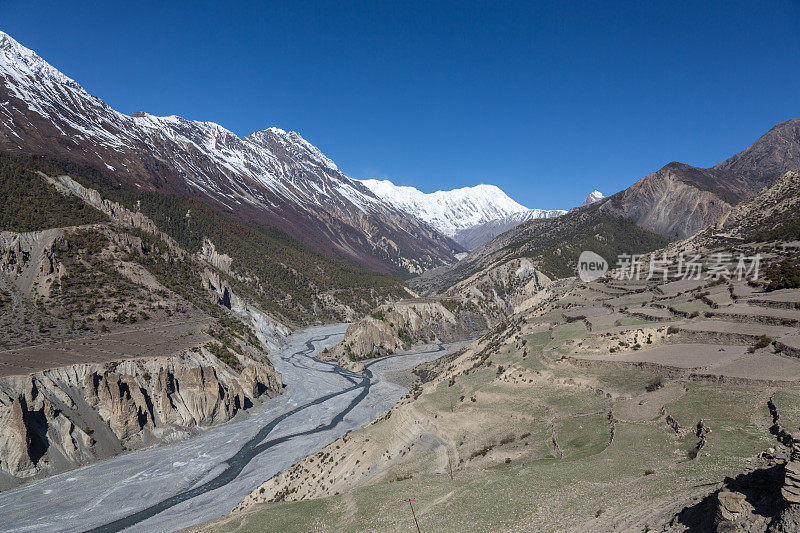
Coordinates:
[546,100]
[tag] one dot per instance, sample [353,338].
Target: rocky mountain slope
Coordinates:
[550,246]
[271,177]
[473,236]
[676,201]
[679,200]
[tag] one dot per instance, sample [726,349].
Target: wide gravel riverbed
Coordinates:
[177,485]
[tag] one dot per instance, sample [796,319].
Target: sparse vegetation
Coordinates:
[29,203]
[655,384]
[783,275]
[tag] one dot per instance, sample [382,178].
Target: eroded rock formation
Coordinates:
[63,417]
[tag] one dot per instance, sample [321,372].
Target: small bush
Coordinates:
[655,384]
[507,440]
[763,341]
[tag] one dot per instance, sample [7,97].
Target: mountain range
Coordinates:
[270,177]
[676,201]
[470,215]
[274,178]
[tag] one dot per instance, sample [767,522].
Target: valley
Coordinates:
[208,475]
[583,413]
[202,330]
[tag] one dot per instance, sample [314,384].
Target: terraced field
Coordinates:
[611,406]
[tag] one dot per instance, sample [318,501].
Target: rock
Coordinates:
[63,417]
[732,506]
[397,326]
[15,440]
[791,486]
[787,522]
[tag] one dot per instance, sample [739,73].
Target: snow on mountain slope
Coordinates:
[270,177]
[594,196]
[448,211]
[472,237]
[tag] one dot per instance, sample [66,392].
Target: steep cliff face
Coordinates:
[60,418]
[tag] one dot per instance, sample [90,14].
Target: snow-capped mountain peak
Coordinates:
[29,61]
[448,211]
[272,177]
[594,196]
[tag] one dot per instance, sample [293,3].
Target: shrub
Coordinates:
[655,384]
[482,452]
[225,355]
[405,336]
[783,275]
[507,440]
[763,341]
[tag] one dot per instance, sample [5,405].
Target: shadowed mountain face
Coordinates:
[679,200]
[270,177]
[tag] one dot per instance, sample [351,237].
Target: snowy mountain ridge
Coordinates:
[271,177]
[469,215]
[449,211]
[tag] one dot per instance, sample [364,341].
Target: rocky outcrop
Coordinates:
[29,259]
[732,506]
[397,326]
[268,330]
[115,211]
[500,289]
[210,255]
[791,485]
[63,417]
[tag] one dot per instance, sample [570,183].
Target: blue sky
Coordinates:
[546,100]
